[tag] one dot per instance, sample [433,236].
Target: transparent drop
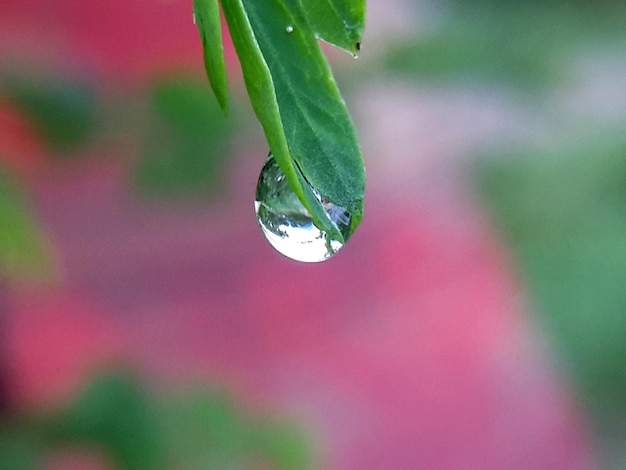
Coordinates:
[288,225]
[194,18]
[289,29]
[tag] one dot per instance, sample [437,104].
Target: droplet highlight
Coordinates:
[288,225]
[289,28]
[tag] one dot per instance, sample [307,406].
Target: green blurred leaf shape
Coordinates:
[113,413]
[220,435]
[296,100]
[63,110]
[563,212]
[213,437]
[339,22]
[282,443]
[24,251]
[528,45]
[207,18]
[187,141]
[19,450]
[203,429]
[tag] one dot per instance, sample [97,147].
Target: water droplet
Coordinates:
[288,225]
[194,18]
[289,28]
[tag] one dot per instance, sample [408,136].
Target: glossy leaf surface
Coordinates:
[297,101]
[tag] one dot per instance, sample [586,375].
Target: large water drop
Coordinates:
[288,225]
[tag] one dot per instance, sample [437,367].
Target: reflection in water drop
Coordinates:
[289,29]
[287,224]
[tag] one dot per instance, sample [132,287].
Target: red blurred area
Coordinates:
[114,39]
[54,342]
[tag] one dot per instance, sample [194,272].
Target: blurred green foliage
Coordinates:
[219,436]
[563,213]
[24,253]
[187,142]
[521,44]
[18,449]
[203,429]
[113,413]
[64,110]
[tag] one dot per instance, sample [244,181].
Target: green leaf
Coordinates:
[339,22]
[24,253]
[262,94]
[207,18]
[297,101]
[315,120]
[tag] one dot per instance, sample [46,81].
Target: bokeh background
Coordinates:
[476,320]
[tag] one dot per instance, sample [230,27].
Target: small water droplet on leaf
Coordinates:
[289,28]
[194,18]
[288,225]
